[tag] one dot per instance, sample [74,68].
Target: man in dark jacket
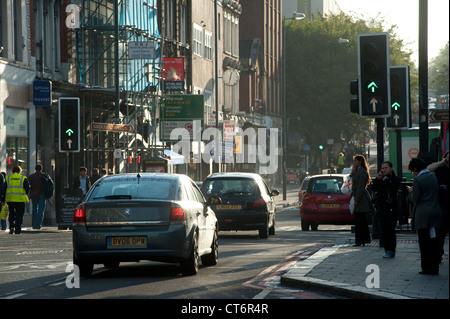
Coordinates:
[82,181]
[37,197]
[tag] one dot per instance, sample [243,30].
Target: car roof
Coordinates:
[168,176]
[233,175]
[328,175]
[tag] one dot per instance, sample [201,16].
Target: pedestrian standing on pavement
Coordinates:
[16,196]
[386,186]
[82,181]
[441,169]
[37,197]
[4,211]
[341,162]
[360,179]
[426,215]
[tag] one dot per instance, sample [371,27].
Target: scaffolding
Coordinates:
[137,61]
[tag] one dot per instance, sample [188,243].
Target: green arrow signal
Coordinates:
[395,106]
[372,86]
[69,132]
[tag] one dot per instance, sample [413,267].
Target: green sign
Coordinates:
[180,111]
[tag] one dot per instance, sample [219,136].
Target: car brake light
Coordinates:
[177,214]
[79,216]
[259,203]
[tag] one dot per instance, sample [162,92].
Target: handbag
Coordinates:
[346,188]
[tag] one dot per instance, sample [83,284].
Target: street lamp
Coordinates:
[295,16]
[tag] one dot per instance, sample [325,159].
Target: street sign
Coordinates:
[42,93]
[112,127]
[180,111]
[141,49]
[439,115]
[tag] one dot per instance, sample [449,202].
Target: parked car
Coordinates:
[302,190]
[144,216]
[324,203]
[246,202]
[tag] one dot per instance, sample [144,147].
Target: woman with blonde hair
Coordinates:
[360,180]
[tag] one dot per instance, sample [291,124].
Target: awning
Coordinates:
[175,158]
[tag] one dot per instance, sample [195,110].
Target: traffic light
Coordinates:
[69,124]
[373,75]
[400,107]
[321,147]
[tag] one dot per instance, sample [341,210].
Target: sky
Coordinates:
[405,14]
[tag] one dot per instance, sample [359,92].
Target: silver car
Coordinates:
[144,216]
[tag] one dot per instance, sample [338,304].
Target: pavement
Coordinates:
[362,272]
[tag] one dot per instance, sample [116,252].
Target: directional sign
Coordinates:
[439,115]
[112,127]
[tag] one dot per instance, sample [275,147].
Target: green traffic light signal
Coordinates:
[320,147]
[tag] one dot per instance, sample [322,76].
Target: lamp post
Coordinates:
[295,16]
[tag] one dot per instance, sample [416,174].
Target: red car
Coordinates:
[324,203]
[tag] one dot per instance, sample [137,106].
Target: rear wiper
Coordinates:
[115,197]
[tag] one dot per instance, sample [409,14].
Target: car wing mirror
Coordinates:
[274,192]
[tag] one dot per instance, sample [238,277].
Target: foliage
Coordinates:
[319,71]
[438,72]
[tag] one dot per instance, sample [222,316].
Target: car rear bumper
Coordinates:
[171,245]
[242,220]
[344,218]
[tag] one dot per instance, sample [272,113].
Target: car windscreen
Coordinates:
[230,186]
[325,185]
[135,188]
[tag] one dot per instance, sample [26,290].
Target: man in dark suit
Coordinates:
[83,181]
[426,215]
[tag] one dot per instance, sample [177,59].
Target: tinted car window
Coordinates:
[325,185]
[229,186]
[135,188]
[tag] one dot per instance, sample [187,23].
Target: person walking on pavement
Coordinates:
[16,196]
[426,214]
[386,186]
[82,181]
[37,197]
[95,175]
[360,179]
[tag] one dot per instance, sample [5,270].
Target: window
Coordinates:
[208,45]
[197,40]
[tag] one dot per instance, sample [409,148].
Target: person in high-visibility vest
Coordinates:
[17,188]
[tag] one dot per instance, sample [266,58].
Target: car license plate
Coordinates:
[329,205]
[228,207]
[127,242]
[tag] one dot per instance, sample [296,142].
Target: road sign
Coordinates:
[439,115]
[112,127]
[180,111]
[42,93]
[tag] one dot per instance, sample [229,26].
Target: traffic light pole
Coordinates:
[380,142]
[423,81]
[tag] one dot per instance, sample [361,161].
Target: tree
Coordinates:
[319,71]
[438,72]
